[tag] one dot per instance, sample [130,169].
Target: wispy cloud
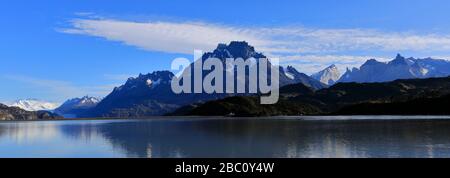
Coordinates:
[293,44]
[183,37]
[162,36]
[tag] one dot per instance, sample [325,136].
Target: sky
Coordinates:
[55,50]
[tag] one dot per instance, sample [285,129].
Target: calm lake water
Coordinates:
[279,137]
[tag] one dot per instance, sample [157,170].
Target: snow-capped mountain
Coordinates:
[16,113]
[34,105]
[145,95]
[298,77]
[73,107]
[399,68]
[328,76]
[151,94]
[241,49]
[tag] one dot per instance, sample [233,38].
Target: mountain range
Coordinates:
[323,92]
[72,108]
[151,94]
[407,96]
[399,68]
[34,105]
[16,113]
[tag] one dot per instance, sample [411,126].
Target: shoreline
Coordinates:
[108,118]
[305,118]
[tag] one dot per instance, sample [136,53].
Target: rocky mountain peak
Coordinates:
[236,49]
[399,57]
[399,68]
[84,101]
[291,69]
[89,100]
[328,76]
[399,60]
[150,78]
[72,107]
[151,94]
[371,62]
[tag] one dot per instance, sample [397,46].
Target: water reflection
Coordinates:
[238,137]
[20,132]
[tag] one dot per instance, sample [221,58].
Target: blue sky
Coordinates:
[55,50]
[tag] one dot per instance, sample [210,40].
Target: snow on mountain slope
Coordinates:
[328,76]
[399,68]
[76,106]
[34,105]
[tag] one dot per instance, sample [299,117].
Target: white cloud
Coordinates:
[310,49]
[162,36]
[184,37]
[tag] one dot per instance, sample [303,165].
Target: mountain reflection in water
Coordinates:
[270,137]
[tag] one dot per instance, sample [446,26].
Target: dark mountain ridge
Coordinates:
[302,100]
[418,106]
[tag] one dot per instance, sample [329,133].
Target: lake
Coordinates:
[278,137]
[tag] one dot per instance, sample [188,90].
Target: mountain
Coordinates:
[16,113]
[341,98]
[241,49]
[298,77]
[76,106]
[344,94]
[145,95]
[151,94]
[399,68]
[249,106]
[34,105]
[328,76]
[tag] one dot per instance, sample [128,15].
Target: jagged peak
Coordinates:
[371,62]
[87,97]
[221,46]
[399,60]
[235,49]
[328,69]
[164,74]
[154,78]
[291,69]
[332,66]
[327,76]
[399,56]
[241,45]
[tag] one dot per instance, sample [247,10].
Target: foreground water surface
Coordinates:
[279,137]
